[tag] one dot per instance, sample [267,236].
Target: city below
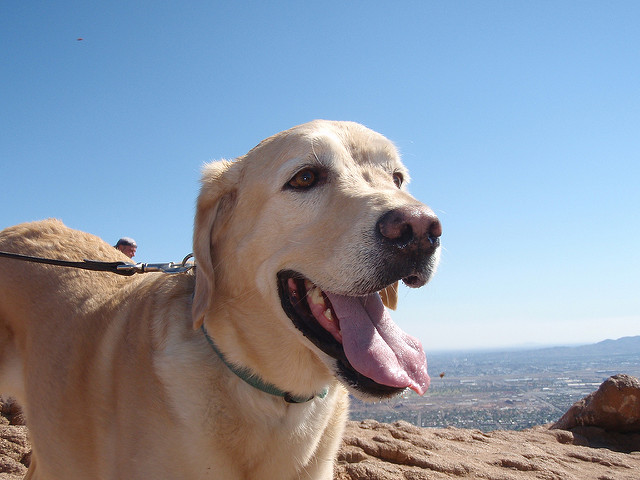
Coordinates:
[509,390]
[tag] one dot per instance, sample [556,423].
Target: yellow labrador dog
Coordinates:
[241,371]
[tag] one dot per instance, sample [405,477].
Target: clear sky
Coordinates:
[519,122]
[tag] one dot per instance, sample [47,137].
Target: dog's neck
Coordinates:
[255,381]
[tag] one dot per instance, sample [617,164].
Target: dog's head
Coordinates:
[297,245]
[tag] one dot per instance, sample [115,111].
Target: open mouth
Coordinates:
[373,355]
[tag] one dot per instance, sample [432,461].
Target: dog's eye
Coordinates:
[306,178]
[398,179]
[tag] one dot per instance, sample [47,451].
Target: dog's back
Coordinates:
[76,352]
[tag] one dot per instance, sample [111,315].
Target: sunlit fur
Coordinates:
[117,380]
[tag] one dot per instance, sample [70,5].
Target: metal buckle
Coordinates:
[170,267]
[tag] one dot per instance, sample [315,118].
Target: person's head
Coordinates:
[128,246]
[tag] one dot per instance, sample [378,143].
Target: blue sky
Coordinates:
[519,122]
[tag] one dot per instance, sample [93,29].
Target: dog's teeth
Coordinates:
[315,294]
[328,314]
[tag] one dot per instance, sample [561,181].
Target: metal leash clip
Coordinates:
[170,267]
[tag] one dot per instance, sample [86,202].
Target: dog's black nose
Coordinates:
[414,226]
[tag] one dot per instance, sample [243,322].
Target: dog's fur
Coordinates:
[117,380]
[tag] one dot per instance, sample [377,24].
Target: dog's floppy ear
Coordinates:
[390,296]
[217,196]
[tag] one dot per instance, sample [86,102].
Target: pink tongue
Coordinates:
[376,347]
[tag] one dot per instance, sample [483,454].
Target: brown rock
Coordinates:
[11,411]
[15,449]
[614,407]
[400,451]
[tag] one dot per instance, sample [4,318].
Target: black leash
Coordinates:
[120,268]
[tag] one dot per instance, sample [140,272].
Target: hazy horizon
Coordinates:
[526,346]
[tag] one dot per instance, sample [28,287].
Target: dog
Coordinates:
[243,369]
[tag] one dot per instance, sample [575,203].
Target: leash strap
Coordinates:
[120,268]
[113,267]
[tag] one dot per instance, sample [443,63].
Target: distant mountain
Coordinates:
[621,353]
[621,346]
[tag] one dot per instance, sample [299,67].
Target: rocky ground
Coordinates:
[598,438]
[377,451]
[15,450]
